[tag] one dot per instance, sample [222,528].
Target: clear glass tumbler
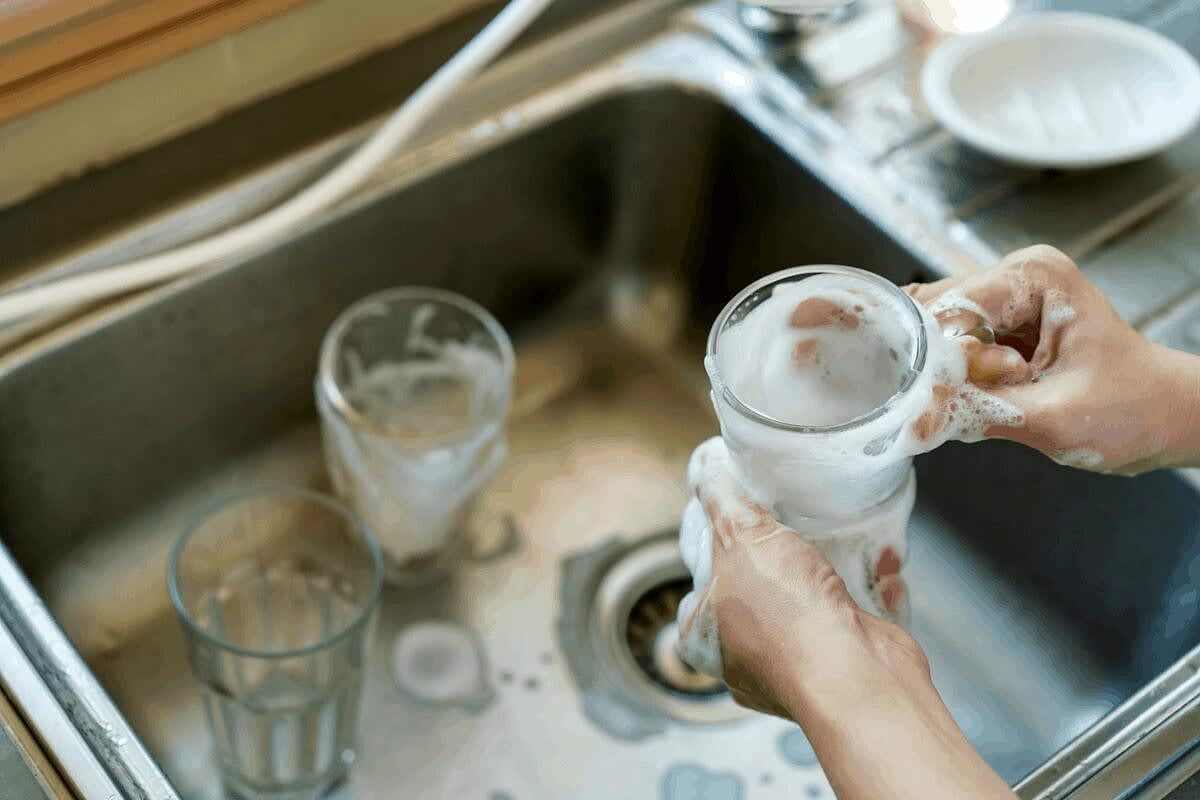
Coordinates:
[413,388]
[845,487]
[277,590]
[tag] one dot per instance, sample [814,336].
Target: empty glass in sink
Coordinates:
[413,389]
[277,590]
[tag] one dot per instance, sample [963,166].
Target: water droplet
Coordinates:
[500,796]
[507,677]
[547,658]
[766,778]
[532,684]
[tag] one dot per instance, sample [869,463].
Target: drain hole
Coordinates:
[618,634]
[651,632]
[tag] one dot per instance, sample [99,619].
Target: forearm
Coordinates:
[882,734]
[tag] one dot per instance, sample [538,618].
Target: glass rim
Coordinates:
[331,390]
[917,365]
[228,500]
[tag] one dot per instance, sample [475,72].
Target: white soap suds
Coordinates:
[698,641]
[955,300]
[854,546]
[834,353]
[434,438]
[1055,308]
[817,353]
[832,473]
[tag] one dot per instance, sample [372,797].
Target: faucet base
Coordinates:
[775,22]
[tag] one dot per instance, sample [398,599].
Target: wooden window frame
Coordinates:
[52,49]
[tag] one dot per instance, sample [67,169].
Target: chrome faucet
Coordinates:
[792,17]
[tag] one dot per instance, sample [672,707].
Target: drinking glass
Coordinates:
[276,589]
[413,388]
[841,486]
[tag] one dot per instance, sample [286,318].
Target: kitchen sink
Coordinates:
[605,236]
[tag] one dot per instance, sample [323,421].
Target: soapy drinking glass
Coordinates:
[413,389]
[853,508]
[276,589]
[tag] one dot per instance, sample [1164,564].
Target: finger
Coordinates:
[806,352]
[1010,294]
[891,595]
[713,477]
[699,643]
[1023,339]
[957,322]
[888,588]
[1024,398]
[926,293]
[821,312]
[1051,333]
[1011,433]
[992,364]
[930,423]
[887,563]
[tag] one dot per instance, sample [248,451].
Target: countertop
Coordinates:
[1134,229]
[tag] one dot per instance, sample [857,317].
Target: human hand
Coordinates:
[773,601]
[794,644]
[1094,393]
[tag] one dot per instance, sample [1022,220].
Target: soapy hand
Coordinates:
[767,591]
[1094,393]
[793,643]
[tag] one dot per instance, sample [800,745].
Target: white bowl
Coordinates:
[1064,90]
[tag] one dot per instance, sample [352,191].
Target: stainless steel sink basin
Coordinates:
[605,234]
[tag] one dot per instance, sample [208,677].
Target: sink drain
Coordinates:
[618,631]
[652,633]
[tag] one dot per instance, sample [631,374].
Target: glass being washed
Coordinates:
[413,389]
[817,376]
[277,590]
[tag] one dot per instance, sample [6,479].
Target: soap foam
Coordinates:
[436,438]
[845,483]
[861,366]
[818,352]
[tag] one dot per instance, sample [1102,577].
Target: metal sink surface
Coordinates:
[604,222]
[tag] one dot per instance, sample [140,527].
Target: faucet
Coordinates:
[792,17]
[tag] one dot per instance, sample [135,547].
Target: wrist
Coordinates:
[843,672]
[1179,382]
[862,693]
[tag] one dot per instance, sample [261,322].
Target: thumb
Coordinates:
[1021,396]
[994,364]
